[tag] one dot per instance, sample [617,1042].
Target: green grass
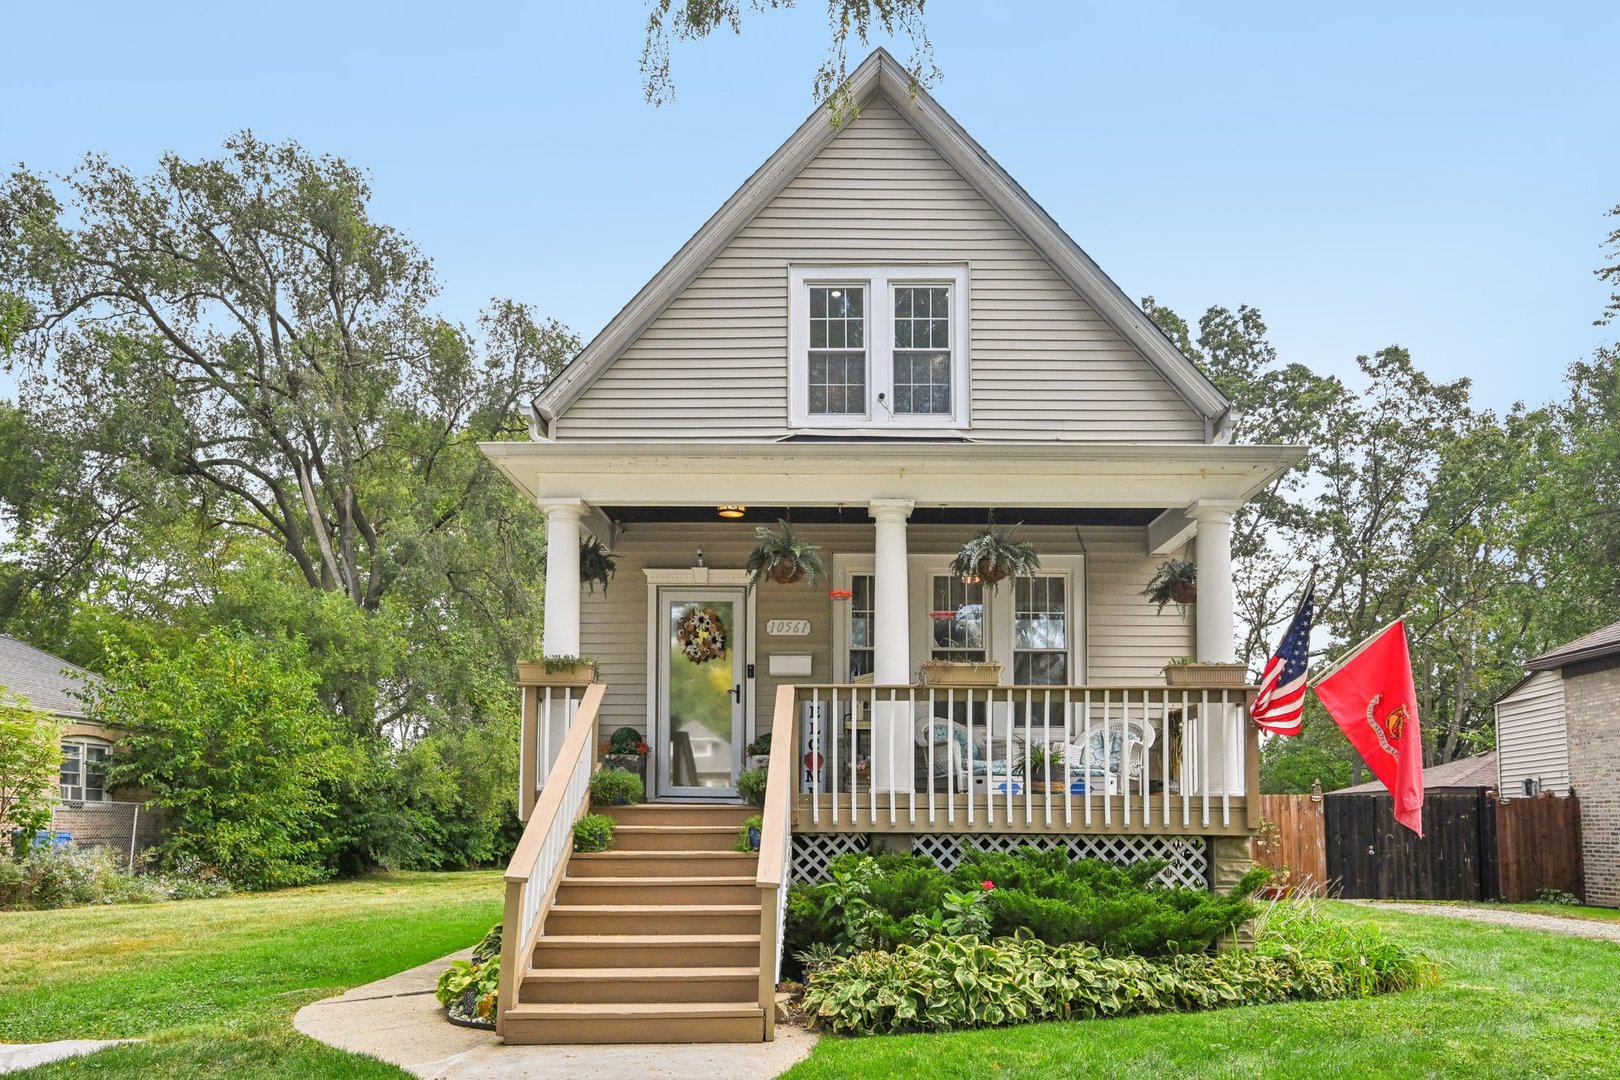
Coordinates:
[213,984]
[1511,1003]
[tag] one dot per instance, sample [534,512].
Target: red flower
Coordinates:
[989,885]
[642,748]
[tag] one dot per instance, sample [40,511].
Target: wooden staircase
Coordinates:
[657,940]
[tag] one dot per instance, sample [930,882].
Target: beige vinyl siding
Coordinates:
[1126,641]
[1045,364]
[1531,739]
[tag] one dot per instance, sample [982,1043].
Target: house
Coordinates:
[1558,731]
[88,813]
[1467,774]
[883,339]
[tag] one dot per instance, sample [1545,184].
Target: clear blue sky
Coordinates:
[1428,174]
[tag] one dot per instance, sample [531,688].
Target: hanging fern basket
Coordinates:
[786,571]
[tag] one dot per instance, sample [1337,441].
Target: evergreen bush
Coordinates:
[593,832]
[616,787]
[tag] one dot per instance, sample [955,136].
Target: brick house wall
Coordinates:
[1592,714]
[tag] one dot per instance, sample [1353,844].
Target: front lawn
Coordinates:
[1511,1003]
[213,984]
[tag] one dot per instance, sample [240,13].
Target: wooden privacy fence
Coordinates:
[1475,847]
[1292,840]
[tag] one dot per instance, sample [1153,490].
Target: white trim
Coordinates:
[879,283]
[881,74]
[696,575]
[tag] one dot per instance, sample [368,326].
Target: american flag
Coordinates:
[1280,704]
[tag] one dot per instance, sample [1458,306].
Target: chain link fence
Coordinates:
[127,828]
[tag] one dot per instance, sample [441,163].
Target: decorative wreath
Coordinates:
[702,635]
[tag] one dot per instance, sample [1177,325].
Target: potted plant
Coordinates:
[758,752]
[624,749]
[1041,760]
[1175,581]
[991,556]
[557,671]
[616,787]
[1185,671]
[961,672]
[593,832]
[596,566]
[783,557]
[751,786]
[748,834]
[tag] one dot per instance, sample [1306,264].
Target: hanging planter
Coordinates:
[993,556]
[783,557]
[1174,582]
[596,566]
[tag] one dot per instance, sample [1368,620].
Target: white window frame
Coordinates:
[84,743]
[880,283]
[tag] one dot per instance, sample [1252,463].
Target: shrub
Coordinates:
[950,983]
[56,877]
[30,755]
[616,787]
[593,832]
[751,786]
[743,842]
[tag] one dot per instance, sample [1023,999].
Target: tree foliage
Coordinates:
[30,754]
[688,20]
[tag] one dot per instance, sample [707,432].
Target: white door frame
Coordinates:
[660,585]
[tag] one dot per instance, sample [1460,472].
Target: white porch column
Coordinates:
[892,758]
[1216,638]
[560,636]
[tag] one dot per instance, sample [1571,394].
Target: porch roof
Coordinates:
[1046,474]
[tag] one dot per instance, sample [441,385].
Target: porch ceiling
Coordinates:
[1144,476]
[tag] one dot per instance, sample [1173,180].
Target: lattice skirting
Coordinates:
[813,851]
[1187,856]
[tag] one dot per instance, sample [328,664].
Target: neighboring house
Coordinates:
[88,812]
[1463,775]
[1559,730]
[883,338]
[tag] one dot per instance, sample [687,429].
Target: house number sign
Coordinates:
[788,627]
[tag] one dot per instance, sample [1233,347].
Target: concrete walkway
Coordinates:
[1519,920]
[15,1057]
[398,1020]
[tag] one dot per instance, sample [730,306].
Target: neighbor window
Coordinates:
[84,770]
[879,347]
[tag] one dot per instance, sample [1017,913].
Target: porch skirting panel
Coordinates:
[1187,859]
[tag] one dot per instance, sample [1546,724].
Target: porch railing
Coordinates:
[548,837]
[548,713]
[1153,759]
[775,857]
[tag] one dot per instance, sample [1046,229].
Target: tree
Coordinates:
[230,739]
[30,755]
[688,20]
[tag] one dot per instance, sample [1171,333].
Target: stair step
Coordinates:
[639,1022]
[621,864]
[705,838]
[739,889]
[553,951]
[648,984]
[732,814]
[652,919]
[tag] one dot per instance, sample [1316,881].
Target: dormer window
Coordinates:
[881,348]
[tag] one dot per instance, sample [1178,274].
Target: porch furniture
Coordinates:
[1114,750]
[961,760]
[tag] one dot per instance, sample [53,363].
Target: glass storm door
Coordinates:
[701,651]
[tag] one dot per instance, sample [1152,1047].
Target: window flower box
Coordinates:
[961,673]
[1192,674]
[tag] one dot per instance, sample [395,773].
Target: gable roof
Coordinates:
[1594,646]
[1468,772]
[45,680]
[881,74]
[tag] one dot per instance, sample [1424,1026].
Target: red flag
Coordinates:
[1372,699]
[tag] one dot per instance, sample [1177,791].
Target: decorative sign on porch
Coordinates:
[788,627]
[702,635]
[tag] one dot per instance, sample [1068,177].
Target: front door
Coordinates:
[702,658]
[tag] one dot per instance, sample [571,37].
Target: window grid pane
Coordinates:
[861,656]
[837,361]
[957,619]
[1040,631]
[922,357]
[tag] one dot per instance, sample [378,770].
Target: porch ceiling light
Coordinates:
[731,511]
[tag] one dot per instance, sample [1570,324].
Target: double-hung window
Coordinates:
[84,769]
[879,348]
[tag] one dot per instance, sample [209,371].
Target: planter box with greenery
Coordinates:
[961,673]
[1185,672]
[616,787]
[757,754]
[557,671]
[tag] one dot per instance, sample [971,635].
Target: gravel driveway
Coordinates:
[1521,920]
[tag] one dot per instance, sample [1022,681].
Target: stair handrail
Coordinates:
[542,853]
[775,853]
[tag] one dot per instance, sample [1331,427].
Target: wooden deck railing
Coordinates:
[895,758]
[548,837]
[775,856]
[548,712]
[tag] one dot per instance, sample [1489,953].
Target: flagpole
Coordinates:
[1353,653]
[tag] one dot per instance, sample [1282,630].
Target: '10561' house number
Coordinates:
[788,627]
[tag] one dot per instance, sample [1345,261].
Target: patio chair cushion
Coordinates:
[966,750]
